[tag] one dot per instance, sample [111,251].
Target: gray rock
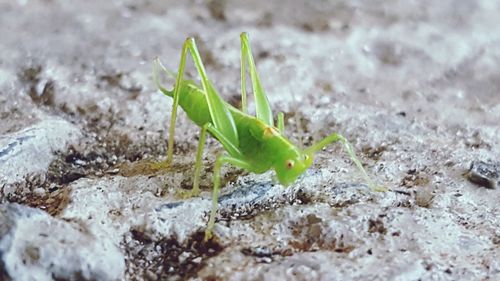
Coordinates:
[113,207]
[31,150]
[413,86]
[35,246]
[486,174]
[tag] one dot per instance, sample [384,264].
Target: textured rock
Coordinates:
[486,174]
[31,150]
[35,246]
[413,85]
[111,208]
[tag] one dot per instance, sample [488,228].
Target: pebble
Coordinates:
[485,174]
[39,191]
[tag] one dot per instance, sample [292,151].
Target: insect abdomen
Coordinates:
[194,103]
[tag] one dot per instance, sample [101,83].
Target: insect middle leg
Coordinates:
[230,148]
[221,159]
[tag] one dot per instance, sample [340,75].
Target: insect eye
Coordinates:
[289,164]
[306,156]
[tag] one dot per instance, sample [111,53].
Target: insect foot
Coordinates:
[186,194]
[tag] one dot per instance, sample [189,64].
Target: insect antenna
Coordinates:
[291,75]
[298,121]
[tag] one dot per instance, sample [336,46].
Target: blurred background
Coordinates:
[435,61]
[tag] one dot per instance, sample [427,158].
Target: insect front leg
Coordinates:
[221,159]
[350,151]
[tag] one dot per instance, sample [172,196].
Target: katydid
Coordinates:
[251,142]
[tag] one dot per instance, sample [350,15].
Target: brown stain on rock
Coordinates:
[170,259]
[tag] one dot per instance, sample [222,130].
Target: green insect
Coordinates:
[251,142]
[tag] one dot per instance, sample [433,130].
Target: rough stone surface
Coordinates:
[486,174]
[36,246]
[413,85]
[116,206]
[31,150]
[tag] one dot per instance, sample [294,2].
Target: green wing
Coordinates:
[221,117]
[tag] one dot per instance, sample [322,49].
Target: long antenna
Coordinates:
[289,73]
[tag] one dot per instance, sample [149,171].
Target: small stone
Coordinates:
[39,191]
[484,173]
[265,260]
[184,256]
[80,162]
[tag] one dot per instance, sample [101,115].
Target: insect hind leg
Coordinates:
[157,66]
[262,107]
[197,166]
[221,117]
